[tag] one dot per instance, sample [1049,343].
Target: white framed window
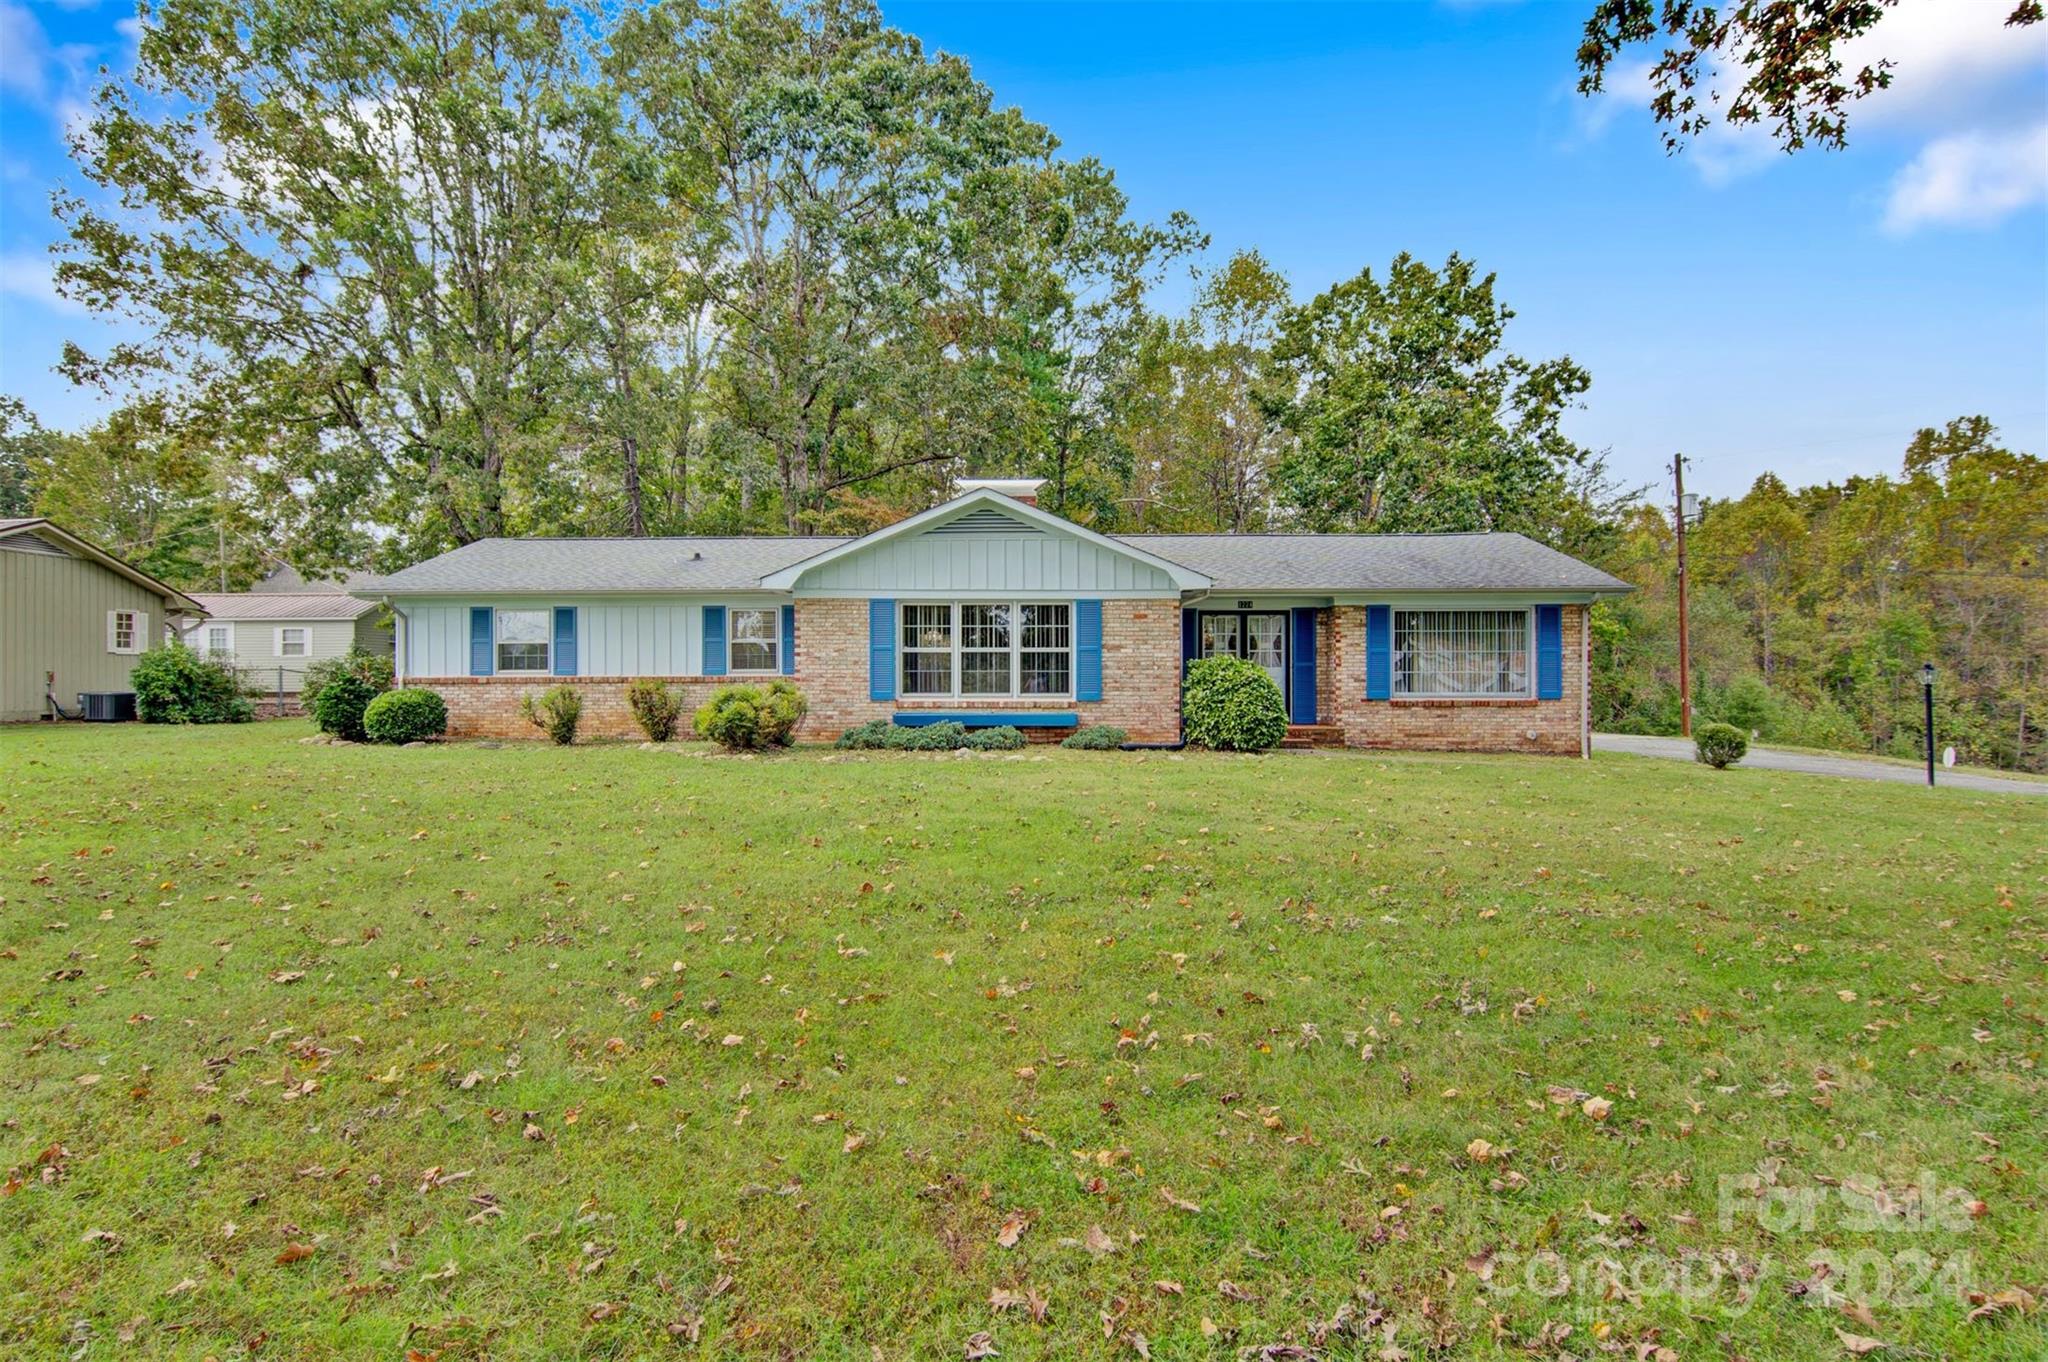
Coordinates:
[127,631]
[987,649]
[1462,654]
[523,641]
[294,640]
[219,637]
[754,642]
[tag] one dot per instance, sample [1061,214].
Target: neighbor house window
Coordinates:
[756,642]
[220,638]
[291,643]
[1453,653]
[983,649]
[522,640]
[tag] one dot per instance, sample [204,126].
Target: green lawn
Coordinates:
[524,1052]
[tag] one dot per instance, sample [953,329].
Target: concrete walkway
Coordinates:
[1854,768]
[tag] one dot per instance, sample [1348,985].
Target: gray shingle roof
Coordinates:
[1378,562]
[278,605]
[1313,563]
[509,566]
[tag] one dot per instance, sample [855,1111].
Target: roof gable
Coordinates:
[984,541]
[49,532]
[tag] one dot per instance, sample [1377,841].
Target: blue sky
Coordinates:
[1757,311]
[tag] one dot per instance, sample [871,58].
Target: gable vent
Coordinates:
[985,520]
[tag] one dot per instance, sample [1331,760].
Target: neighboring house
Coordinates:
[989,610]
[273,636]
[73,618]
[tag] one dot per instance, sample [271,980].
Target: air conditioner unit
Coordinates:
[107,706]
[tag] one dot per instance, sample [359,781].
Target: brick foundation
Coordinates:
[488,706]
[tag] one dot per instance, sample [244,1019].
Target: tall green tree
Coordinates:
[1408,414]
[357,228]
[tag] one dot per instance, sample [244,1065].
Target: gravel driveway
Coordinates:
[1855,768]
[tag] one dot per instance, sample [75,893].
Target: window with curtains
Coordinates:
[754,641]
[988,649]
[523,641]
[1461,653]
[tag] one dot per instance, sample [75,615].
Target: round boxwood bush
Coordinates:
[656,708]
[1720,745]
[1232,705]
[556,713]
[751,718]
[1096,738]
[409,715]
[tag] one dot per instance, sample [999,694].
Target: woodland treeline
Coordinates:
[448,271]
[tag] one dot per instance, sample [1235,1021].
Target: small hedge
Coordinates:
[1232,705]
[752,718]
[556,713]
[371,668]
[1719,745]
[409,715]
[1096,738]
[656,708]
[879,735]
[175,685]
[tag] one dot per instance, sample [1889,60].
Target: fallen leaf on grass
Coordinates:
[287,976]
[1860,1344]
[1012,1229]
[182,1287]
[1178,1203]
[852,1143]
[1596,1107]
[2017,1299]
[1098,1243]
[294,1252]
[981,1344]
[1167,1288]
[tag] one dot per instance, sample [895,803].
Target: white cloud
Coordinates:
[1970,179]
[27,275]
[1947,56]
[23,52]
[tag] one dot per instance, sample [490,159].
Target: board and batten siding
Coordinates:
[615,636]
[1033,563]
[255,650]
[53,618]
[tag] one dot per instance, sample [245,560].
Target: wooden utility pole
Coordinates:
[1684,634]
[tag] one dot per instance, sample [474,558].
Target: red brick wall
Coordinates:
[1553,726]
[1140,682]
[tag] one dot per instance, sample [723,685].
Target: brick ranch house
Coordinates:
[988,609]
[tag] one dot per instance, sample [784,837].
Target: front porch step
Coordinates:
[1301,736]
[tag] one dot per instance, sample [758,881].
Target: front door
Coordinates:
[1260,639]
[1265,644]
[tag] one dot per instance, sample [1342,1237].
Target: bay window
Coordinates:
[983,649]
[1452,654]
[523,641]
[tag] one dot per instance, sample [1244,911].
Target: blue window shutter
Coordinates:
[1379,652]
[1302,666]
[1549,652]
[565,640]
[881,650]
[480,626]
[789,640]
[714,640]
[1087,650]
[1190,638]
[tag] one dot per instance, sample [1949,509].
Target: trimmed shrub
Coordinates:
[656,708]
[341,704]
[556,713]
[1001,738]
[871,736]
[750,718]
[175,685]
[939,737]
[1232,705]
[409,715]
[1096,738]
[373,668]
[1720,745]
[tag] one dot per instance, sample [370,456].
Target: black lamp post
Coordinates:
[1927,695]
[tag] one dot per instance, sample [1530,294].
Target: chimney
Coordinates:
[1020,489]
